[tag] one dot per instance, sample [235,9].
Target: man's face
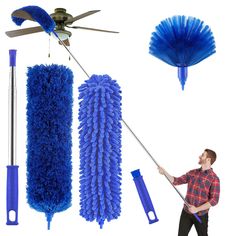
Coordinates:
[203,158]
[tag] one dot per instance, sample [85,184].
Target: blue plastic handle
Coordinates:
[12,53]
[198,218]
[12,195]
[182,75]
[144,196]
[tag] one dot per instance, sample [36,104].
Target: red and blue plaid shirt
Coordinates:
[203,186]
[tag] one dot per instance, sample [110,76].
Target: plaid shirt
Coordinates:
[203,186]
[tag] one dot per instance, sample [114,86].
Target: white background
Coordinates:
[176,126]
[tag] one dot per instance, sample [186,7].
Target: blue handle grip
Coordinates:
[198,218]
[144,197]
[12,53]
[182,75]
[12,195]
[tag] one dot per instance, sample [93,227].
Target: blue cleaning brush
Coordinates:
[182,41]
[34,13]
[100,149]
[49,141]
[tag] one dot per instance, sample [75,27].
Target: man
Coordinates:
[203,192]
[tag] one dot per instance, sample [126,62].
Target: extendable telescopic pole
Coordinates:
[131,131]
[12,168]
[153,159]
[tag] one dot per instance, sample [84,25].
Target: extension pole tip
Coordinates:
[49,225]
[49,219]
[182,75]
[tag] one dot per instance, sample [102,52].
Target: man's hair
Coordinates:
[211,154]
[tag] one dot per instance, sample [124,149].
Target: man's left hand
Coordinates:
[193,209]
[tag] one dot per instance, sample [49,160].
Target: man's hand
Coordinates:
[161,170]
[203,207]
[193,209]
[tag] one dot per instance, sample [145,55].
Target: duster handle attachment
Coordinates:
[144,196]
[12,195]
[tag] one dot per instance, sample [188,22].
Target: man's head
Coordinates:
[208,157]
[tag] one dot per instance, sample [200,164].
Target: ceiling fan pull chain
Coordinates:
[69,54]
[63,44]
[49,46]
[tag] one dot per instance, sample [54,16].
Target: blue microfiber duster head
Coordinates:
[182,41]
[100,149]
[49,119]
[38,14]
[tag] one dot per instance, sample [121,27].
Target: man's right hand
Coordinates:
[161,170]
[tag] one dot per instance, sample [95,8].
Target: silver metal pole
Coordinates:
[12,117]
[153,159]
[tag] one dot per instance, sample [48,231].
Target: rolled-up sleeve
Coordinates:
[181,180]
[214,194]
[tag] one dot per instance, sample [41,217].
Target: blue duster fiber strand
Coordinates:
[182,41]
[39,15]
[49,142]
[100,149]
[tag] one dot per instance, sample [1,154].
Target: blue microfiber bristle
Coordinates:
[100,149]
[49,141]
[39,15]
[182,41]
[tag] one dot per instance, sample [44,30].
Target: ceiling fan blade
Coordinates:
[66,42]
[86,28]
[70,21]
[22,14]
[20,32]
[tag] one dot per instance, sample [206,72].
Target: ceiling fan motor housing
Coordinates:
[60,16]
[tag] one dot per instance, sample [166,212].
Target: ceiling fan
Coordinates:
[62,20]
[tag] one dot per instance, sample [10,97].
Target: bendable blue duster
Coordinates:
[38,14]
[100,149]
[49,142]
[182,41]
